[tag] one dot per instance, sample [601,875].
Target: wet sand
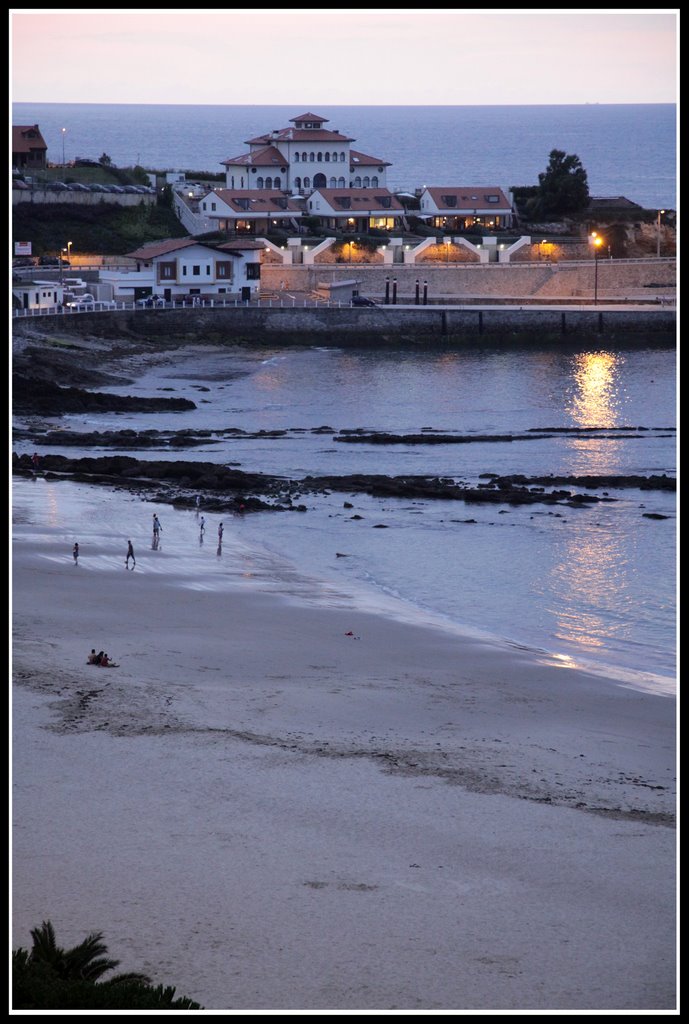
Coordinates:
[277,805]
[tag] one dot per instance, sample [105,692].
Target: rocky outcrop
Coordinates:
[231,490]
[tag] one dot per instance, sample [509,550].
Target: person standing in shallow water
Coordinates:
[75,553]
[130,554]
[157,528]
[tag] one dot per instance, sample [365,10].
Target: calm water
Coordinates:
[596,585]
[626,149]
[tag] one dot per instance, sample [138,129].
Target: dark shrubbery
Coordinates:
[104,228]
[52,978]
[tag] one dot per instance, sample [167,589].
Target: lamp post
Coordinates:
[64,131]
[60,262]
[448,242]
[69,253]
[597,242]
[658,233]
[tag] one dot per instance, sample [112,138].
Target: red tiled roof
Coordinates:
[256,201]
[468,197]
[268,157]
[308,117]
[21,140]
[357,159]
[358,200]
[299,135]
[163,247]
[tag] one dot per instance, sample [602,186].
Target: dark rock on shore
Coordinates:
[228,489]
[46,398]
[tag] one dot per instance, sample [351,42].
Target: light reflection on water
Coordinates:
[596,582]
[596,400]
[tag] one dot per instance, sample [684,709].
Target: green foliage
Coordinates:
[105,160]
[563,188]
[104,228]
[52,978]
[205,176]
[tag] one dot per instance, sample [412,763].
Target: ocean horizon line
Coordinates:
[343,106]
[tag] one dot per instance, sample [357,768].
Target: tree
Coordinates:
[50,977]
[563,188]
[105,160]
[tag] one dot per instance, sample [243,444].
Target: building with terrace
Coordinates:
[466,208]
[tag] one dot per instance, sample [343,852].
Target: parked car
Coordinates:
[361,300]
[97,188]
[116,188]
[76,186]
[57,186]
[86,301]
[52,261]
[149,301]
[23,261]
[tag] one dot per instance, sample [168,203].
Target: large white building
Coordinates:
[303,158]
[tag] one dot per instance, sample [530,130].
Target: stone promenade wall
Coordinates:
[632,279]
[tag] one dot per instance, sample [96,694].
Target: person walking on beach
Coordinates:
[157,528]
[130,554]
[220,533]
[75,553]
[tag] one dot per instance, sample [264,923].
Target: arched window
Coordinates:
[340,183]
[332,183]
[327,158]
[307,182]
[335,157]
[269,182]
[304,158]
[259,182]
[319,181]
[374,181]
[297,183]
[357,182]
[276,183]
[342,158]
[296,158]
[232,181]
[367,182]
[320,158]
[312,157]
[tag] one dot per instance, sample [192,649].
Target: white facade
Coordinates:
[302,158]
[37,295]
[181,269]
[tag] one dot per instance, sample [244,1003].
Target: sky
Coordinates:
[351,57]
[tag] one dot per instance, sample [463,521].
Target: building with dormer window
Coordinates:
[453,208]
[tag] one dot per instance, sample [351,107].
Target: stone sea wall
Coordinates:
[376,325]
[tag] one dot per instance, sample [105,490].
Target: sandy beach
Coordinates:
[277,806]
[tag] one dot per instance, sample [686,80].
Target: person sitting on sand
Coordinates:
[106,663]
[92,658]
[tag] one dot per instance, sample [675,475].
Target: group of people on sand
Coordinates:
[101,659]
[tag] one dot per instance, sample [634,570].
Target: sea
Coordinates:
[592,587]
[626,149]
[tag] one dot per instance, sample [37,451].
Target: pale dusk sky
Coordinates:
[350,57]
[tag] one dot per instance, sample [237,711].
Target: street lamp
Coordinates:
[64,130]
[448,243]
[597,242]
[658,233]
[60,262]
[69,253]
